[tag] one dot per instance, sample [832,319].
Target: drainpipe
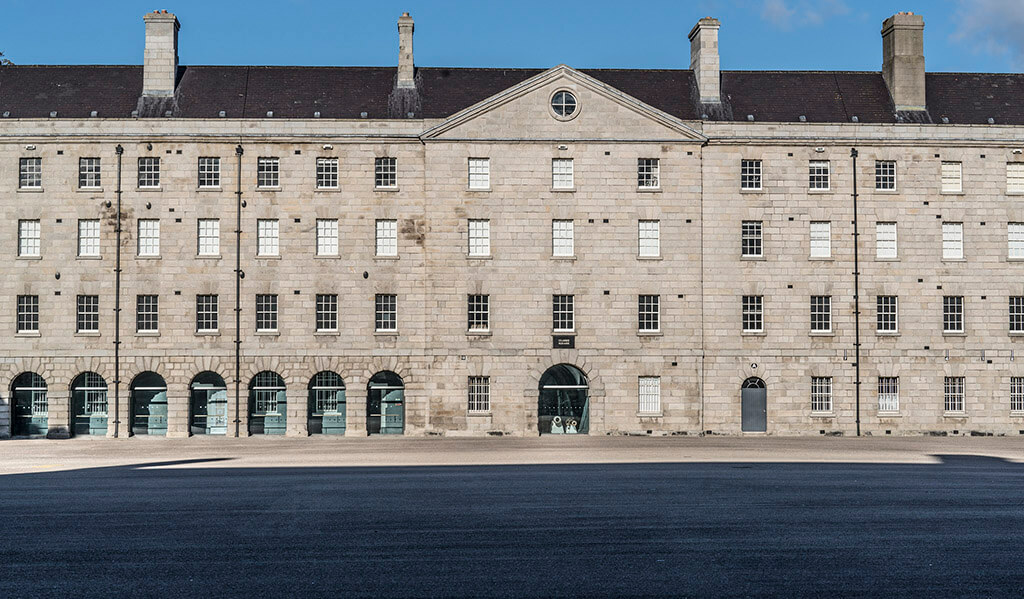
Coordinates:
[238,284]
[856,291]
[117,302]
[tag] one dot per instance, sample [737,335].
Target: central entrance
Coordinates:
[564,405]
[385,404]
[149,404]
[754,400]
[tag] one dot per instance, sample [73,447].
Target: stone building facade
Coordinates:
[433,251]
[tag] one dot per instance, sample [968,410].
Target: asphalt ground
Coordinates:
[513,517]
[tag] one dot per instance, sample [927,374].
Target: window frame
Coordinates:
[1017,393]
[882,317]
[478,174]
[27,314]
[206,240]
[954,395]
[648,173]
[953,313]
[815,176]
[949,181]
[879,241]
[751,171]
[752,312]
[649,394]
[478,313]
[30,172]
[30,238]
[267,313]
[885,181]
[648,313]
[148,244]
[563,312]
[149,172]
[385,312]
[827,239]
[751,239]
[888,394]
[479,232]
[563,174]
[326,313]
[327,170]
[652,247]
[821,395]
[268,172]
[821,314]
[386,238]
[327,237]
[147,312]
[87,242]
[205,315]
[953,240]
[268,238]
[478,394]
[90,168]
[385,172]
[1015,307]
[87,314]
[563,238]
[208,171]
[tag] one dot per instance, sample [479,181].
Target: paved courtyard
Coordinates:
[513,517]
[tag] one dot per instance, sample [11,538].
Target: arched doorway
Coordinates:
[28,405]
[326,404]
[89,404]
[149,404]
[208,404]
[754,400]
[564,405]
[385,404]
[268,405]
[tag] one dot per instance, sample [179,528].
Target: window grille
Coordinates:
[28,238]
[888,394]
[89,237]
[750,239]
[88,318]
[386,312]
[821,239]
[328,391]
[266,312]
[149,237]
[478,309]
[561,173]
[952,241]
[30,173]
[953,393]
[1017,393]
[818,174]
[28,313]
[650,395]
[149,172]
[88,173]
[479,237]
[326,237]
[952,177]
[479,393]
[750,174]
[209,237]
[385,172]
[267,237]
[479,173]
[562,238]
[94,390]
[753,313]
[209,172]
[326,312]
[953,314]
[1016,314]
[268,171]
[821,313]
[647,173]
[886,313]
[1015,240]
[562,313]
[387,237]
[885,240]
[206,313]
[885,174]
[266,388]
[821,394]
[146,313]
[327,173]
[650,238]
[1015,177]
[648,313]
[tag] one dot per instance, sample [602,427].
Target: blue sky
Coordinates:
[960,35]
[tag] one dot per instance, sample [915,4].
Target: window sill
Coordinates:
[210,189]
[1016,333]
[821,258]
[566,333]
[386,333]
[147,333]
[386,189]
[147,257]
[887,333]
[952,193]
[955,415]
[267,333]
[563,190]
[889,415]
[207,333]
[752,190]
[478,414]
[953,260]
[569,258]
[752,258]
[819,191]
[157,189]
[30,190]
[28,334]
[385,258]
[326,333]
[954,334]
[327,190]
[269,189]
[478,189]
[888,192]
[823,415]
[326,256]
[648,190]
[650,258]
[822,334]
[650,334]
[87,333]
[277,257]
[88,257]
[1015,259]
[487,257]
[89,189]
[478,333]
[753,334]
[886,259]
[208,257]
[30,258]
[650,415]
[1016,414]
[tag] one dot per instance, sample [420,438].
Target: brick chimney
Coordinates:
[903,60]
[704,59]
[160,67]
[406,67]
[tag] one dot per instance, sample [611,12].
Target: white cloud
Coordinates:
[786,14]
[992,27]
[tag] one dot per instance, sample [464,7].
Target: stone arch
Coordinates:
[392,363]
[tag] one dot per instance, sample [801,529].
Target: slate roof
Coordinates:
[347,92]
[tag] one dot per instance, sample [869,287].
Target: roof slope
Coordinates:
[348,92]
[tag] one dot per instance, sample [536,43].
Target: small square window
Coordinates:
[149,172]
[562,173]
[268,172]
[30,175]
[647,173]
[327,173]
[819,172]
[385,172]
[479,173]
[209,172]
[885,174]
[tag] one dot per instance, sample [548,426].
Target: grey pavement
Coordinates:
[541,517]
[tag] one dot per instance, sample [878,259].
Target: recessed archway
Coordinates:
[208,404]
[89,404]
[149,404]
[754,406]
[29,405]
[564,401]
[326,404]
[385,404]
[268,404]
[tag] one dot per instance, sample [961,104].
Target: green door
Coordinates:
[392,411]
[30,406]
[268,407]
[89,405]
[385,404]
[149,404]
[326,404]
[208,405]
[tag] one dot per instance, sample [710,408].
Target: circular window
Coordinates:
[563,103]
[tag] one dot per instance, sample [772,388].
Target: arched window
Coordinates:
[29,405]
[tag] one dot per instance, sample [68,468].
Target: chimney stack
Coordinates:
[903,60]
[160,67]
[406,67]
[704,59]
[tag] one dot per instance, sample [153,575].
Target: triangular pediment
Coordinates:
[523,112]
